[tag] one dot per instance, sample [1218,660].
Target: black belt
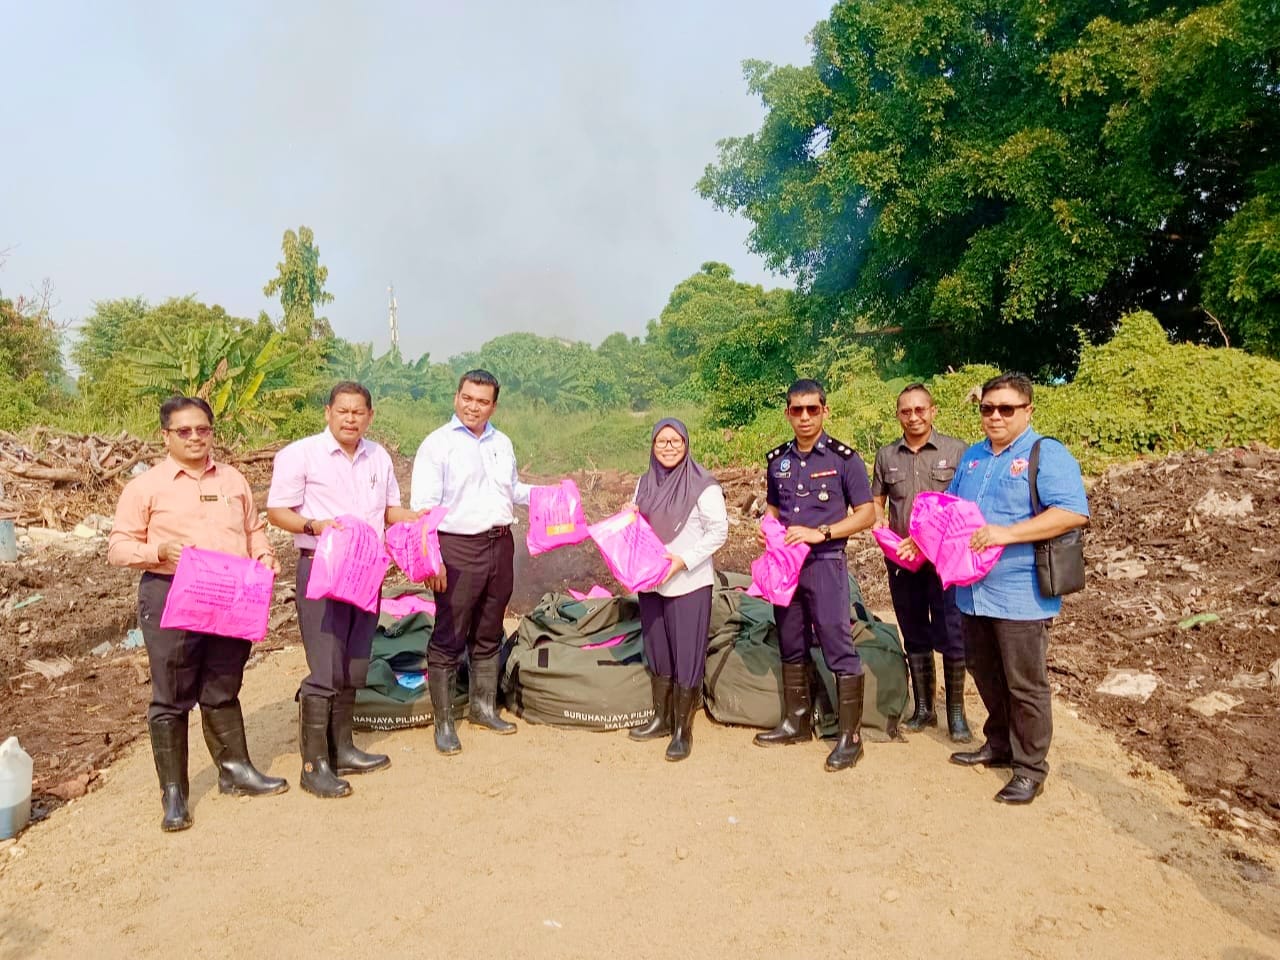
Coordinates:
[493,533]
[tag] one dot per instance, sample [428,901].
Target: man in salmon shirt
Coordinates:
[314,480]
[190,500]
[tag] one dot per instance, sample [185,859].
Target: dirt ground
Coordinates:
[732,850]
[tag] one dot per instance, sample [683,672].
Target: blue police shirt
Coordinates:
[816,487]
[997,483]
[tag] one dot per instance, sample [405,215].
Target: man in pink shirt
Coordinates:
[333,473]
[190,500]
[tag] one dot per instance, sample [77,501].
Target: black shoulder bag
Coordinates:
[1060,561]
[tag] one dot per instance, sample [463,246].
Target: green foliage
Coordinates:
[31,370]
[389,375]
[979,181]
[299,282]
[248,386]
[560,375]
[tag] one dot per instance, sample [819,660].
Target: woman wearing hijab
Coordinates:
[685,506]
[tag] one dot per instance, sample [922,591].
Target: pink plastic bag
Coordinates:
[889,541]
[775,576]
[595,593]
[631,550]
[941,525]
[349,565]
[415,546]
[400,607]
[217,593]
[555,517]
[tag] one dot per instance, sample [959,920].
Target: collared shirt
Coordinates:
[315,477]
[900,473]
[997,483]
[475,477]
[817,487]
[212,508]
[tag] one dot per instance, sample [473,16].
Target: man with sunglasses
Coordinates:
[190,500]
[922,459]
[1004,616]
[817,488]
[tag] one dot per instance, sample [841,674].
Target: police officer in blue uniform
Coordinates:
[818,490]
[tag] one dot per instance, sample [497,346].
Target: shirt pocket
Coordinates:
[942,475]
[499,466]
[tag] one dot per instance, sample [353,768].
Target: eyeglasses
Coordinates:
[675,444]
[918,411]
[1004,409]
[800,409]
[185,432]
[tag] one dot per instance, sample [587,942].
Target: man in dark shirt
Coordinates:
[922,459]
[817,489]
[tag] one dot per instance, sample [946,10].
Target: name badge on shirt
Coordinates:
[208,498]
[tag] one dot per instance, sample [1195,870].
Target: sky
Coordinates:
[509,166]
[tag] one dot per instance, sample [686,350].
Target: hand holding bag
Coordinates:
[1060,561]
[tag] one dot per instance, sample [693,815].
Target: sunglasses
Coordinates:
[918,411]
[1004,409]
[185,432]
[800,409]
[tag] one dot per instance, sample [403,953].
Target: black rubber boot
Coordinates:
[224,736]
[313,738]
[344,756]
[953,677]
[848,748]
[440,686]
[685,703]
[169,745]
[923,681]
[483,711]
[660,725]
[797,710]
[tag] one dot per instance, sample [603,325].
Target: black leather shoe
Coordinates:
[984,756]
[1020,790]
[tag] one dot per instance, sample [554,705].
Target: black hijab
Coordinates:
[666,496]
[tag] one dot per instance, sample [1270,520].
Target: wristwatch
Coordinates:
[309,528]
[825,530]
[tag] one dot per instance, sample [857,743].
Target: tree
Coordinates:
[558,374]
[299,282]
[976,180]
[247,384]
[103,334]
[735,343]
[31,371]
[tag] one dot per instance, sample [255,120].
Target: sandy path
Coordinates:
[563,844]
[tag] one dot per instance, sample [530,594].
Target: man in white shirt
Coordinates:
[470,467]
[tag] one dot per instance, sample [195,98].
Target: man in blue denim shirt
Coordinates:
[1004,617]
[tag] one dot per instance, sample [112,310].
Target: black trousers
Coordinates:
[1008,661]
[480,577]
[337,638]
[927,614]
[186,667]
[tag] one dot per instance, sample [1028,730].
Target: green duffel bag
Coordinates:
[579,663]
[743,683]
[400,646]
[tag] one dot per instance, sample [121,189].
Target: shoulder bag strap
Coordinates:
[1033,468]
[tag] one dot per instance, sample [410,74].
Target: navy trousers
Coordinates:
[675,632]
[821,607]
[337,638]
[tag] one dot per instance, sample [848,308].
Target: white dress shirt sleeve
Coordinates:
[426,487]
[710,514]
[519,490]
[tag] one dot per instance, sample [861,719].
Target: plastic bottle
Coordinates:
[15,788]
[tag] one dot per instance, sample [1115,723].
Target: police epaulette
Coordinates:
[840,447]
[776,451]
